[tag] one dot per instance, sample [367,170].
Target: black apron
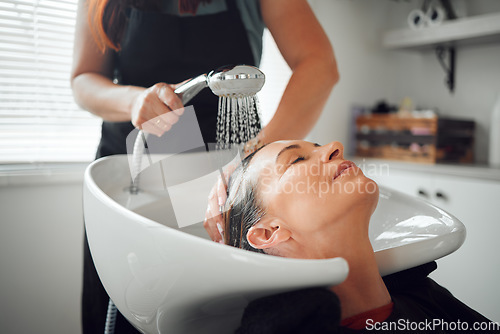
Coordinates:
[159,47]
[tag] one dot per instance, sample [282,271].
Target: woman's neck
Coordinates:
[364,289]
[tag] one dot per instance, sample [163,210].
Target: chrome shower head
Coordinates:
[229,81]
[236,81]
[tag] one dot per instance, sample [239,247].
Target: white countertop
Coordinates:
[479,171]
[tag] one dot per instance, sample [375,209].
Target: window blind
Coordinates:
[39,120]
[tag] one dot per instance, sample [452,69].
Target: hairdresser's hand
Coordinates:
[216,200]
[157,108]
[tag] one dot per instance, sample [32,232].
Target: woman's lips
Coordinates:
[343,166]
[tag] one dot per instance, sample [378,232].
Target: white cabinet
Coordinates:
[471,273]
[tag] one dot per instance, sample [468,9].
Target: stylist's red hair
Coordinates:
[191,6]
[107,21]
[107,18]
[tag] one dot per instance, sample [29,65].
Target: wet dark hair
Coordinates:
[243,209]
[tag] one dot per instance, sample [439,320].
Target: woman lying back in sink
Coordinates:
[302,200]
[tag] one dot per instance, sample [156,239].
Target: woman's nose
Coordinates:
[332,151]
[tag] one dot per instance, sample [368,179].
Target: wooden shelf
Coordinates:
[473,30]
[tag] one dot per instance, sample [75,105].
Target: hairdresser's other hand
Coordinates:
[156,109]
[216,199]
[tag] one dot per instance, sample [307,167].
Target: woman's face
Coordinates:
[311,188]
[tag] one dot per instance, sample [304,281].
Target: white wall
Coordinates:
[370,73]
[354,29]
[41,234]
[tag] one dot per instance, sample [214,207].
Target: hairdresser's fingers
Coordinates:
[221,192]
[229,170]
[169,118]
[213,224]
[160,124]
[213,219]
[211,228]
[163,108]
[207,224]
[222,184]
[141,108]
[216,199]
[178,112]
[146,107]
[216,216]
[154,126]
[167,95]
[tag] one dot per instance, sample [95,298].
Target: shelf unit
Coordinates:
[445,38]
[472,30]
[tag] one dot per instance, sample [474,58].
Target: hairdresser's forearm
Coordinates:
[303,100]
[100,96]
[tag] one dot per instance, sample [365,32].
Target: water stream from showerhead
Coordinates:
[238,118]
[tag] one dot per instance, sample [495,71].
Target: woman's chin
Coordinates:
[373,194]
[364,200]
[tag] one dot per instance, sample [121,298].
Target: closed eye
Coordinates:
[297,160]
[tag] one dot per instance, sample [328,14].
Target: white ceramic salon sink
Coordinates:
[165,275]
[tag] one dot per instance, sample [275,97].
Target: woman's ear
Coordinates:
[268,233]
